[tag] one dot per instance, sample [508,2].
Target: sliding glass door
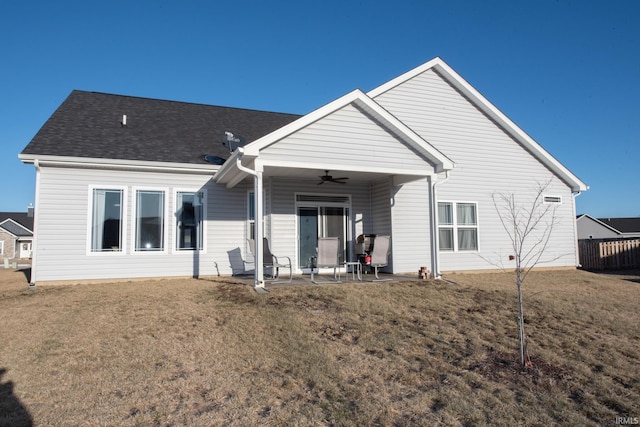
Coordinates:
[321,217]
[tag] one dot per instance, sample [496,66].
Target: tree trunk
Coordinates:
[521,335]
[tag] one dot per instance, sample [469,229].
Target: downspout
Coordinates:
[575,194]
[435,253]
[34,243]
[258,283]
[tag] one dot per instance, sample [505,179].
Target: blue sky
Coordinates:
[566,71]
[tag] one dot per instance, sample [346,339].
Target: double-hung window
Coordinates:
[150,221]
[251,215]
[107,215]
[458,226]
[189,218]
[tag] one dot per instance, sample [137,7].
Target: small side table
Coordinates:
[356,269]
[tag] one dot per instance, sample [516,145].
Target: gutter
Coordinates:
[90,162]
[575,195]
[435,251]
[258,284]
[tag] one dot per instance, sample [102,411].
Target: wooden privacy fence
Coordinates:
[609,255]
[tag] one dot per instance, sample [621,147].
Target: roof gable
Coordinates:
[21,218]
[596,221]
[442,69]
[14,228]
[358,101]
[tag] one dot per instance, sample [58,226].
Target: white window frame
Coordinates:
[174,224]
[1,247]
[134,225]
[456,227]
[89,246]
[250,212]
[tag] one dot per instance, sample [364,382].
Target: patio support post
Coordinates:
[435,234]
[258,283]
[259,249]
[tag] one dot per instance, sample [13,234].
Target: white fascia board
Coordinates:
[227,167]
[254,148]
[441,161]
[403,78]
[229,173]
[90,162]
[490,110]
[361,99]
[379,169]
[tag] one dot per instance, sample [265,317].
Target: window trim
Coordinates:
[456,227]
[250,222]
[134,230]
[174,225]
[1,247]
[89,248]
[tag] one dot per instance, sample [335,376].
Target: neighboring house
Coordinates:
[16,234]
[123,188]
[607,228]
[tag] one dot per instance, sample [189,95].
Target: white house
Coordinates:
[131,187]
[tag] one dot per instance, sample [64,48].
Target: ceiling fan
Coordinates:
[328,178]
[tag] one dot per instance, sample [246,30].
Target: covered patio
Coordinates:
[346,169]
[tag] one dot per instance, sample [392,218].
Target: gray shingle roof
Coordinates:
[21,218]
[624,225]
[15,229]
[88,124]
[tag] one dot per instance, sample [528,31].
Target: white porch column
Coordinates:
[258,249]
[259,202]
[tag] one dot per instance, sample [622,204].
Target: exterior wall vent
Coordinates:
[553,199]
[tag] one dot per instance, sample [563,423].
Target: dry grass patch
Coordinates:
[198,352]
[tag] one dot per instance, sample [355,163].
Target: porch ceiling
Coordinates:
[313,174]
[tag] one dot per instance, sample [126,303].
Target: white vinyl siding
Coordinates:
[63,228]
[487,161]
[346,138]
[410,236]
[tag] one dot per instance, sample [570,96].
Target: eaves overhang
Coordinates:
[99,163]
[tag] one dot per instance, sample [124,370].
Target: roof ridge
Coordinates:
[182,102]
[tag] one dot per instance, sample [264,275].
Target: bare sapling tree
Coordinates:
[529,225]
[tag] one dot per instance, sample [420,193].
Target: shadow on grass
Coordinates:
[12,412]
[27,273]
[631,275]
